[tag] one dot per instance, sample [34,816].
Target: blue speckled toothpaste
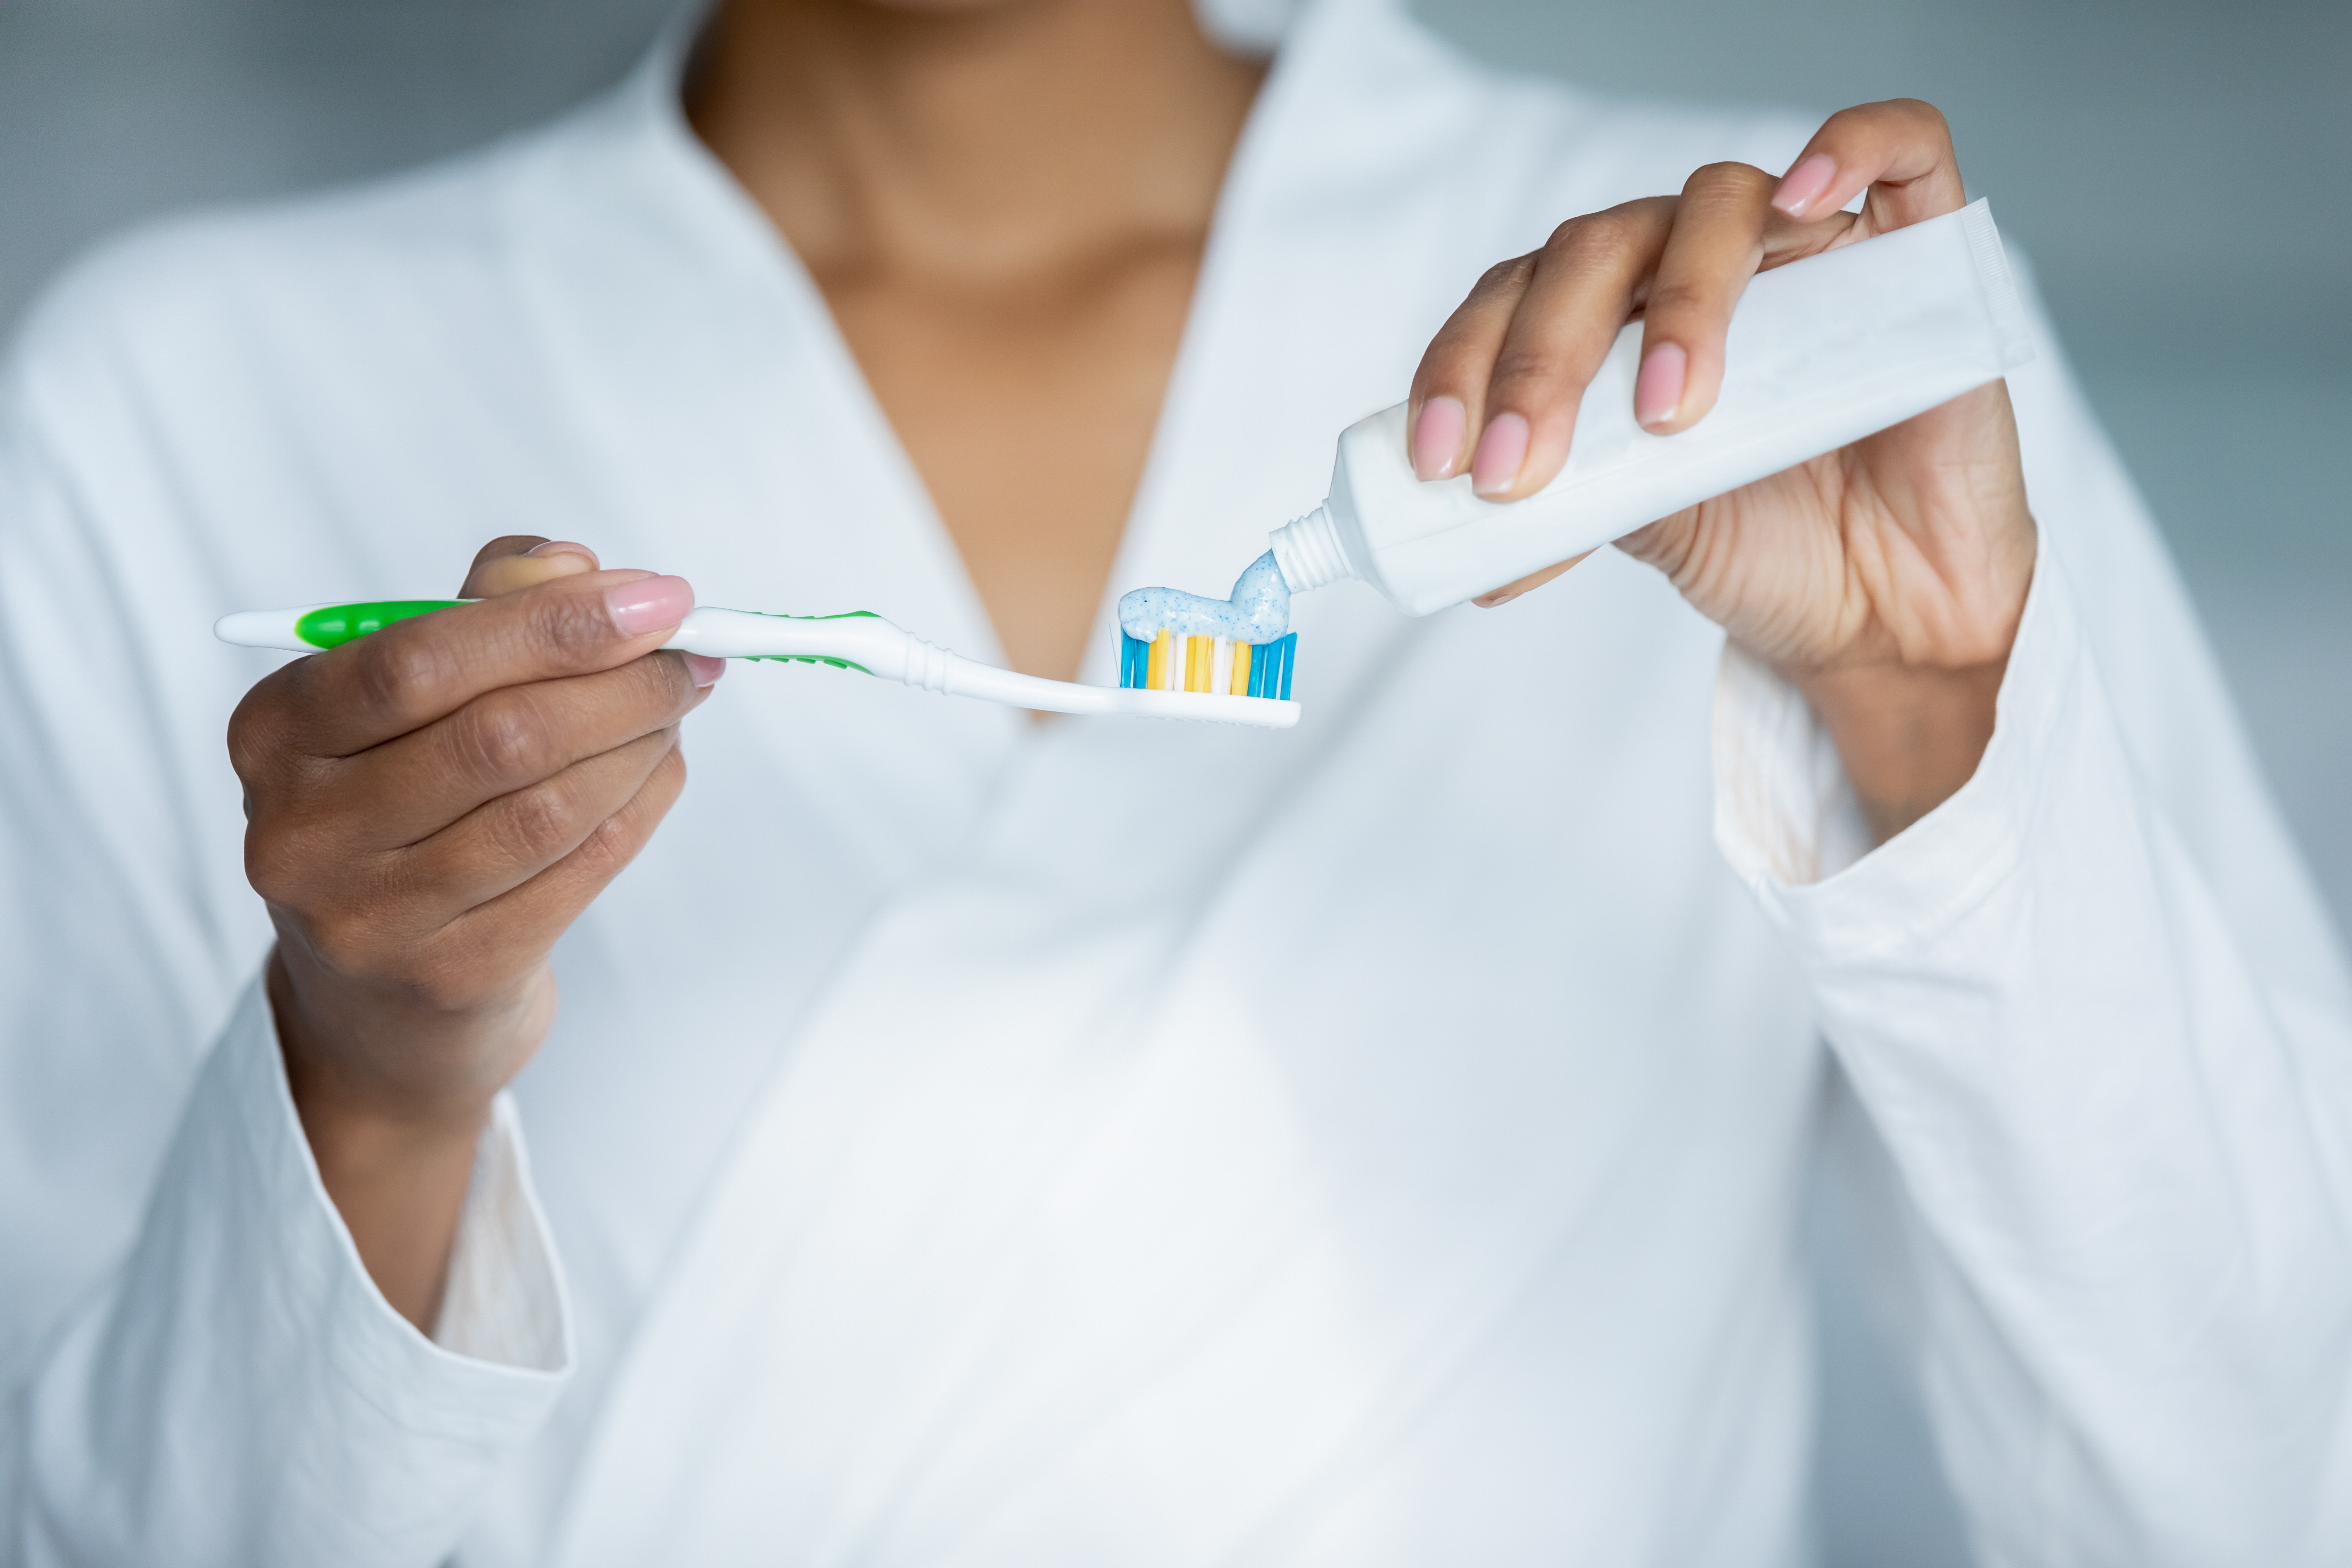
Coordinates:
[1258,612]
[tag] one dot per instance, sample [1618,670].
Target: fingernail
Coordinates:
[1803,186]
[1496,468]
[705,670]
[560,547]
[1489,601]
[649,603]
[1658,390]
[1437,438]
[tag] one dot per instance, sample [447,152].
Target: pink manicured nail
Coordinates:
[1806,183]
[649,603]
[561,547]
[1437,438]
[1501,450]
[1492,601]
[1658,390]
[704,670]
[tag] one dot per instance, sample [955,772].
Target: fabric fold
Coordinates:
[242,1394]
[2103,1126]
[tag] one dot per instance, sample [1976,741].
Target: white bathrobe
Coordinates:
[1104,1143]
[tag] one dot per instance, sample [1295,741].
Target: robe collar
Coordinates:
[1242,443]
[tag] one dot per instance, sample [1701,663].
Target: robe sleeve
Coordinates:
[194,1366]
[2094,1011]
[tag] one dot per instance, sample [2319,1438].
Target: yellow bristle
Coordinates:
[1240,687]
[1155,674]
[1196,668]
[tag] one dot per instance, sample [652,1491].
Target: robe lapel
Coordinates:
[1015,1057]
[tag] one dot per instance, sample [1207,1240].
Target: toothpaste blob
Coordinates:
[1258,612]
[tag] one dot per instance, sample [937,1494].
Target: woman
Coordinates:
[967,1140]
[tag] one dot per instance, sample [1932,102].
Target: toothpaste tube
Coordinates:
[1822,352]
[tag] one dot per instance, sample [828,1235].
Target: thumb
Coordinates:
[522,561]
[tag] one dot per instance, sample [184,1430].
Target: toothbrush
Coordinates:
[859,640]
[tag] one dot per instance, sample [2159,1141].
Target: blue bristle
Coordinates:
[1258,671]
[1130,650]
[1289,654]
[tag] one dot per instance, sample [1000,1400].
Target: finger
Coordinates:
[1509,591]
[415,671]
[1587,279]
[504,843]
[1716,245]
[521,559]
[521,924]
[1449,386]
[416,784]
[1900,151]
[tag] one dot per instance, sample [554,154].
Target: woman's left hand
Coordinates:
[1885,580]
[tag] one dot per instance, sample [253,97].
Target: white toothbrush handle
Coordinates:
[883,649]
[880,649]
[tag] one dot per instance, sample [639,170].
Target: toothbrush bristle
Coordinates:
[1171,663]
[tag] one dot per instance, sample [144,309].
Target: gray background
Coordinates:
[2181,175]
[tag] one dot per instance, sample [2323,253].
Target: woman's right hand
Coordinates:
[428,809]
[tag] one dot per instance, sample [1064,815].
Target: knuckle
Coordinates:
[269,868]
[398,674]
[574,622]
[248,737]
[1679,299]
[1517,369]
[257,730]
[284,858]
[1602,241]
[345,942]
[1727,181]
[542,821]
[507,544]
[1506,275]
[660,682]
[609,846]
[1582,230]
[504,740]
[613,840]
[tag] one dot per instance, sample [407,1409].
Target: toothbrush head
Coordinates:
[1208,666]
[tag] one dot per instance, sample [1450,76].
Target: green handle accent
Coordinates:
[811,657]
[332,626]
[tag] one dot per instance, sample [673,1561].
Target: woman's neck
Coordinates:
[1005,205]
[983,141]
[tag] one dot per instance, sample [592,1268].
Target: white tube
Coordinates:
[1822,352]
